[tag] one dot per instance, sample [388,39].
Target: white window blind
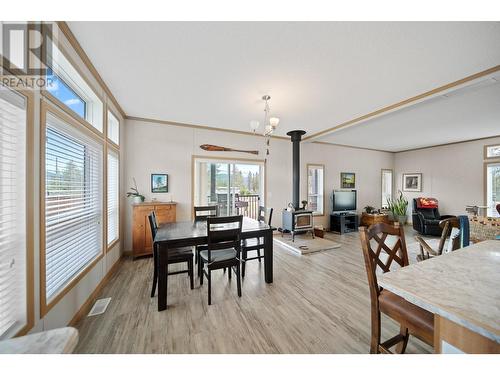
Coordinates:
[12,212]
[113,128]
[113,197]
[73,203]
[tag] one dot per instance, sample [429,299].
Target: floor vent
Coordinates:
[100,306]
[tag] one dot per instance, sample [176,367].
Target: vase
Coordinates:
[137,200]
[401,219]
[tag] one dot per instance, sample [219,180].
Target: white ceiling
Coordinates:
[468,113]
[318,74]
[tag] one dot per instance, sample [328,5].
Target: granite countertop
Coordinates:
[463,286]
[55,341]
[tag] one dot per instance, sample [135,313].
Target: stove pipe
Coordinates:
[296,137]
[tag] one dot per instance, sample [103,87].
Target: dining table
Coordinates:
[462,290]
[194,233]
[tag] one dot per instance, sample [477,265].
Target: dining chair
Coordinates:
[388,250]
[447,225]
[201,213]
[175,255]
[223,249]
[254,244]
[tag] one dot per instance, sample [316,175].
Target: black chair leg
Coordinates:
[238,279]
[209,287]
[243,262]
[200,267]
[155,273]
[191,272]
[258,254]
[229,272]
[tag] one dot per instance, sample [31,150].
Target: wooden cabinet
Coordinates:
[141,231]
[370,219]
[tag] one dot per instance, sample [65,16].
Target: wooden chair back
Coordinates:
[262,215]
[153,224]
[201,213]
[155,220]
[223,233]
[448,225]
[394,247]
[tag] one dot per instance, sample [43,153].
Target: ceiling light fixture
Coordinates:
[270,123]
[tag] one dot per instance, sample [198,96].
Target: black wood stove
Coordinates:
[297,220]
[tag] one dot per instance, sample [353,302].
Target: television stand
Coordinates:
[344,222]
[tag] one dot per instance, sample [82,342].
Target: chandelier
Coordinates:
[270,123]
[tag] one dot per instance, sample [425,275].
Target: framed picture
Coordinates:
[347,180]
[412,181]
[159,183]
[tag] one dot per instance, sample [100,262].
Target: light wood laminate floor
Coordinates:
[318,303]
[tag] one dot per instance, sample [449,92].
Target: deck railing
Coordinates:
[247,205]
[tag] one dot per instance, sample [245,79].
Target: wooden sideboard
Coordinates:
[370,219]
[141,231]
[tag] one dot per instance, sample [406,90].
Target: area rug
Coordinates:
[305,244]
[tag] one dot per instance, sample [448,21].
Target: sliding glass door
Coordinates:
[237,187]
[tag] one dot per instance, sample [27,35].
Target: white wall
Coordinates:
[161,148]
[453,174]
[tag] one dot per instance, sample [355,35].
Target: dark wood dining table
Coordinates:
[189,233]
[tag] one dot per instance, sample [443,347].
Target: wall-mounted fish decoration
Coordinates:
[220,148]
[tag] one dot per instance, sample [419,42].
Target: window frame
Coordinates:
[222,159]
[77,94]
[109,140]
[46,94]
[384,204]
[30,217]
[485,152]
[110,147]
[47,107]
[316,166]
[487,163]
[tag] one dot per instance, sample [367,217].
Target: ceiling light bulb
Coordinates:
[254,125]
[274,121]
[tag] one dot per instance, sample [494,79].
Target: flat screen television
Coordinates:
[344,200]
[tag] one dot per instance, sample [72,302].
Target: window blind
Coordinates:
[12,212]
[113,197]
[113,128]
[73,203]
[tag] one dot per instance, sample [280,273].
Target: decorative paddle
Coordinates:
[220,148]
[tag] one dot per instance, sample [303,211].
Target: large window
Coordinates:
[387,183]
[113,197]
[113,128]
[315,188]
[492,188]
[66,84]
[66,95]
[13,240]
[73,203]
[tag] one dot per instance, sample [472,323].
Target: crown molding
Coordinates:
[203,127]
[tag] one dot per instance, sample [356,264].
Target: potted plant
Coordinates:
[137,197]
[370,209]
[398,208]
